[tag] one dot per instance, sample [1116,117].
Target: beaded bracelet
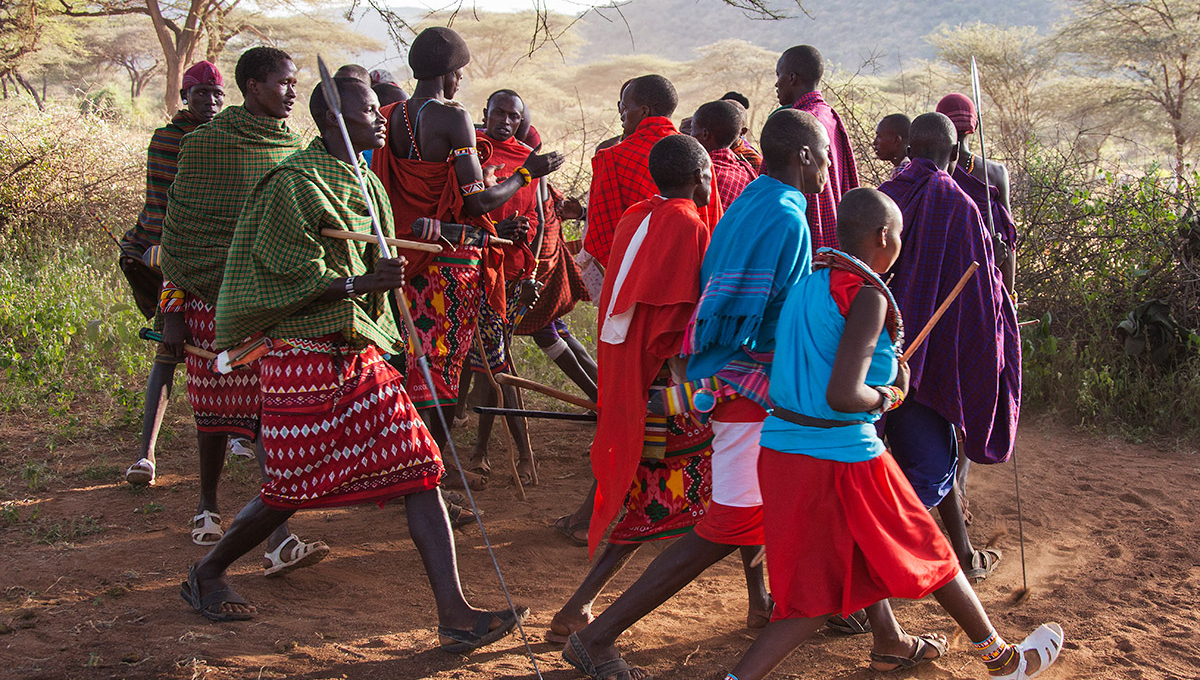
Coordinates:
[892,398]
[465,151]
[526,176]
[170,299]
[472,188]
[350,289]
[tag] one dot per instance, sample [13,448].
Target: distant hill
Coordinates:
[846,31]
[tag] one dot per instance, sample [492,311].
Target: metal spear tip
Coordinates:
[332,98]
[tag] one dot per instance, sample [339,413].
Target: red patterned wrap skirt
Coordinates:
[223,404]
[843,536]
[669,494]
[444,300]
[338,427]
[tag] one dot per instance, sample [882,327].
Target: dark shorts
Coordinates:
[926,449]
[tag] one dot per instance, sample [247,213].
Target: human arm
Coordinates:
[847,391]
[388,274]
[478,200]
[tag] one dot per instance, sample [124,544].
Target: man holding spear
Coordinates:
[968,374]
[338,426]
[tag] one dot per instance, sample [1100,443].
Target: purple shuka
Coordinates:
[1001,219]
[969,369]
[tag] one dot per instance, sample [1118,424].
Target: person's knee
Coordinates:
[555,349]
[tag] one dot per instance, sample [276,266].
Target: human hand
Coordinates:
[571,208]
[515,228]
[902,376]
[388,275]
[540,165]
[175,333]
[528,292]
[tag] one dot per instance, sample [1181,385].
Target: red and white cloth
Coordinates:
[338,427]
[224,404]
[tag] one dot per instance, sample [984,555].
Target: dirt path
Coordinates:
[90,584]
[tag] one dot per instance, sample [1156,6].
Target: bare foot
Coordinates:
[525,471]
[566,622]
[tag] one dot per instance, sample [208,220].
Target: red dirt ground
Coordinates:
[1110,531]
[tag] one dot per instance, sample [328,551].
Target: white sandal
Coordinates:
[300,555]
[1047,641]
[206,528]
[141,472]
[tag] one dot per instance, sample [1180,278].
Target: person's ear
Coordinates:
[806,157]
[883,235]
[183,96]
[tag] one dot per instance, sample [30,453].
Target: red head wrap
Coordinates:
[960,110]
[201,73]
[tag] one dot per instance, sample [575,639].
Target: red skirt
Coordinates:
[223,404]
[444,300]
[338,428]
[730,525]
[843,536]
[669,494]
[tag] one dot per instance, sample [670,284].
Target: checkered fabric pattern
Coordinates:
[731,174]
[969,369]
[748,153]
[279,264]
[843,173]
[219,163]
[620,178]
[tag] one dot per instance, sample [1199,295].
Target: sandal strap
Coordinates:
[276,555]
[222,596]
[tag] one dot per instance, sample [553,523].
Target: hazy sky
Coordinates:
[563,6]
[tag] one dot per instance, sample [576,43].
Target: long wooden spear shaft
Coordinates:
[334,100]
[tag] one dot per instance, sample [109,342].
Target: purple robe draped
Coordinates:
[969,369]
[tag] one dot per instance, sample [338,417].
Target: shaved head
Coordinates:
[932,136]
[788,131]
[722,119]
[655,93]
[806,62]
[862,213]
[895,124]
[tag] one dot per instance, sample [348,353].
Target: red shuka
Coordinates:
[664,284]
[620,178]
[507,156]
[419,188]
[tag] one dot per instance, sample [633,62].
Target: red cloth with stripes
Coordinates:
[843,173]
[856,534]
[620,178]
[660,292]
[731,174]
[339,429]
[223,404]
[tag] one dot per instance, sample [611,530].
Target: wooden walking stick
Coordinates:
[937,315]
[517,381]
[346,235]
[499,395]
[414,340]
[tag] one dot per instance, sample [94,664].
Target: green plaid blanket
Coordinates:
[219,163]
[279,264]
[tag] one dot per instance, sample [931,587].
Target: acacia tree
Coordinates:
[736,65]
[1155,46]
[127,46]
[1016,66]
[178,26]
[22,25]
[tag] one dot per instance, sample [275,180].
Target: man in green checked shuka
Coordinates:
[218,164]
[338,427]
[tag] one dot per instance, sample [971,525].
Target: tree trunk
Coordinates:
[178,48]
[30,89]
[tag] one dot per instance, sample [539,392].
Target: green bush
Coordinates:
[66,329]
[1096,247]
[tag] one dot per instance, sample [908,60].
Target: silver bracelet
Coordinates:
[350,291]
